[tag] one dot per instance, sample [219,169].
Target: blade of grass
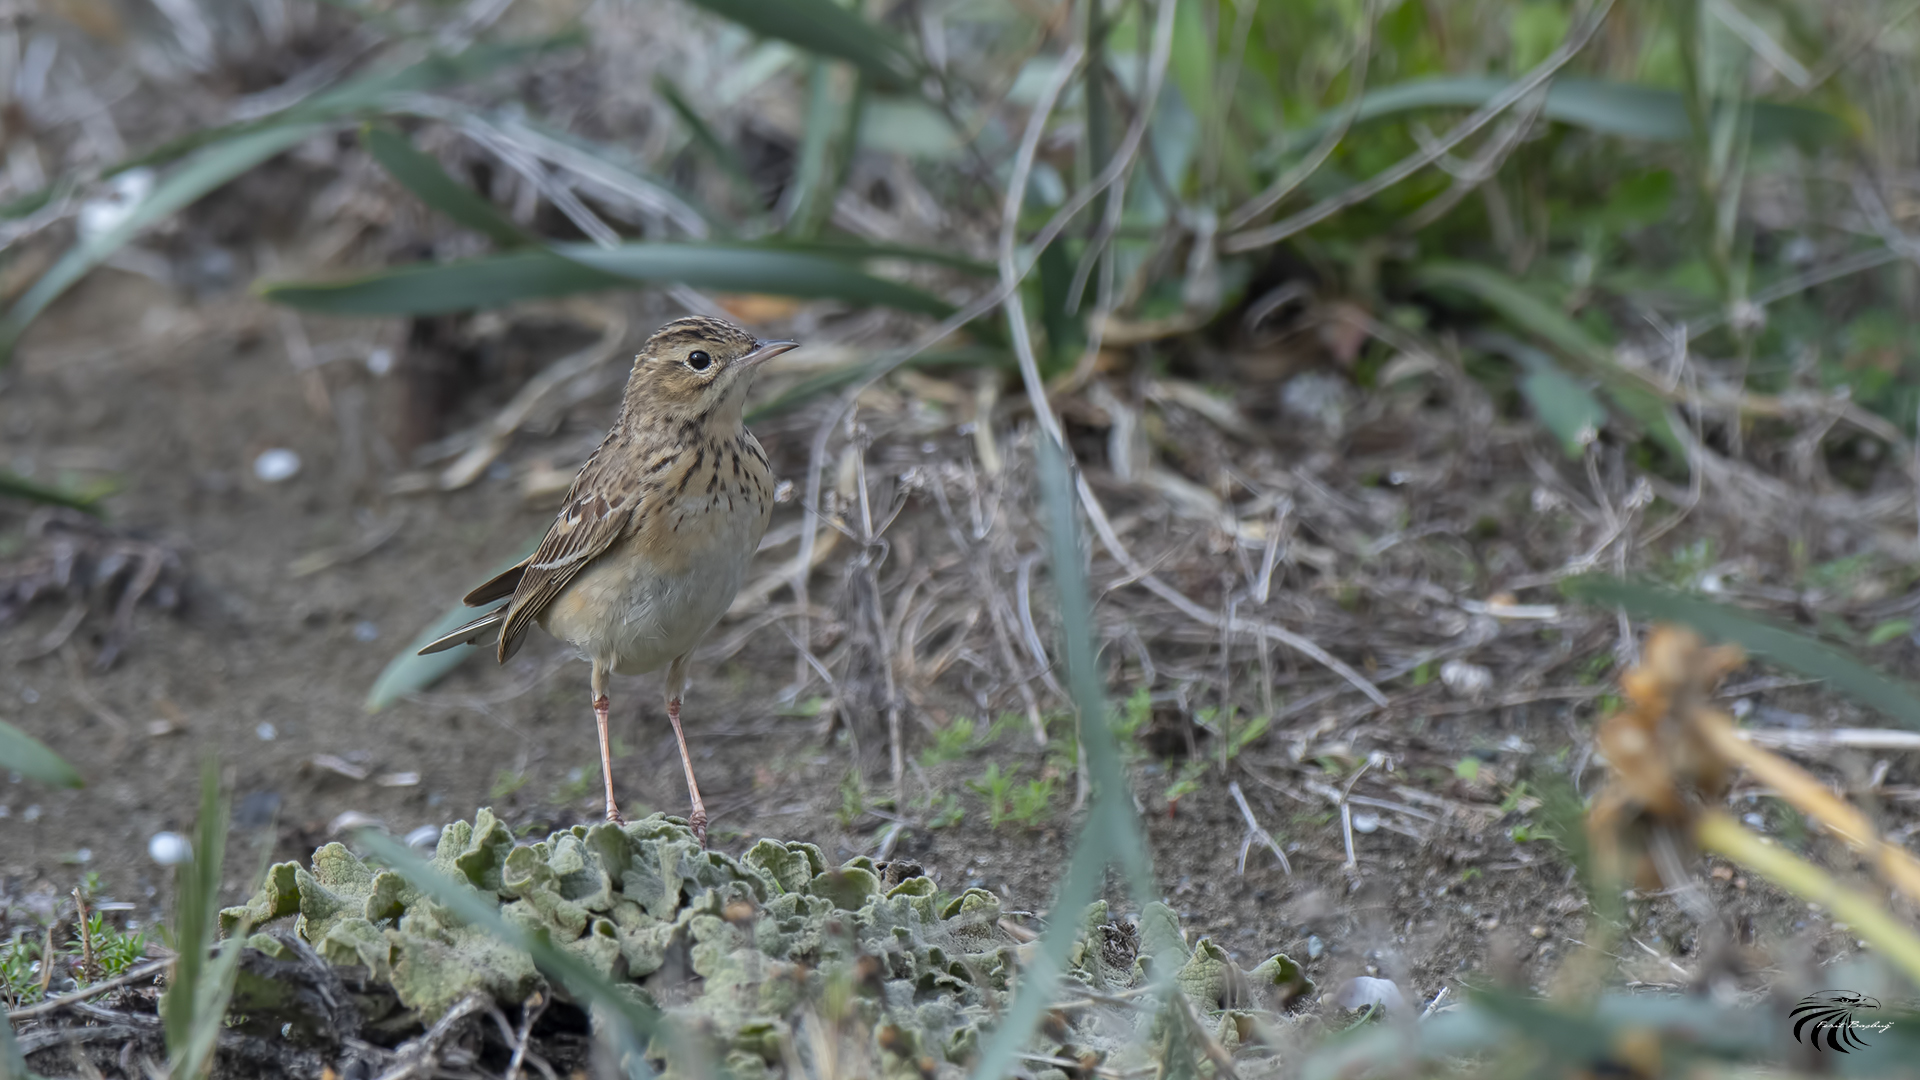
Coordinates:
[825,28]
[1604,107]
[20,487]
[708,140]
[408,672]
[1111,834]
[1562,402]
[13,1064]
[209,169]
[628,1023]
[366,92]
[194,1007]
[1788,648]
[1866,915]
[575,268]
[421,174]
[1522,308]
[28,756]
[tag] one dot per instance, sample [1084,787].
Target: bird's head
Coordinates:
[697,369]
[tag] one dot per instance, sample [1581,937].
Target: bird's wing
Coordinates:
[599,509]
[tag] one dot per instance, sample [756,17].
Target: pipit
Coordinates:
[657,530]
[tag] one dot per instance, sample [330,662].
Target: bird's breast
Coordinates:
[664,585]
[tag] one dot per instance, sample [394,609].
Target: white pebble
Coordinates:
[275,465]
[380,361]
[114,204]
[266,732]
[169,848]
[365,630]
[1464,679]
[424,836]
[1364,990]
[31,813]
[1365,822]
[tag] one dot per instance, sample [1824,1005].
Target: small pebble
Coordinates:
[1315,947]
[1365,821]
[31,813]
[1363,991]
[365,630]
[276,465]
[85,855]
[1466,680]
[29,695]
[265,732]
[423,837]
[169,848]
[1754,820]
[1538,931]
[380,361]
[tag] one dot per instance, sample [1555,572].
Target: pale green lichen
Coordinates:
[772,958]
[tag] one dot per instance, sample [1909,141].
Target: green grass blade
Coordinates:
[190,1030]
[430,288]
[710,141]
[825,28]
[1787,648]
[1563,403]
[856,251]
[371,91]
[13,1064]
[566,269]
[1111,833]
[1522,308]
[755,268]
[628,1022]
[28,756]
[421,174]
[20,487]
[1604,107]
[200,174]
[409,672]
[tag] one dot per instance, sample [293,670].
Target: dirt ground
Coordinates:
[267,669]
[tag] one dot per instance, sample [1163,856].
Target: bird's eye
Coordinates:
[698,360]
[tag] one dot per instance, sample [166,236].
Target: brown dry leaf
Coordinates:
[1663,769]
[755,308]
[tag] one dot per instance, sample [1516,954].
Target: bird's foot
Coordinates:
[614,816]
[698,822]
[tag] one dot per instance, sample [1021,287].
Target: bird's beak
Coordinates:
[764,351]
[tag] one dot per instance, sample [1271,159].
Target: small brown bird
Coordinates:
[657,530]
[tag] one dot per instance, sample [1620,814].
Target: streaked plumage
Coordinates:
[657,530]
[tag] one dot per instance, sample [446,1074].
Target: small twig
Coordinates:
[1254,830]
[417,1054]
[144,971]
[528,1013]
[86,936]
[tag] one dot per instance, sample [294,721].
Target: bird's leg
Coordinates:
[601,707]
[676,686]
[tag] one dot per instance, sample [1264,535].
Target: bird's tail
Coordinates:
[482,629]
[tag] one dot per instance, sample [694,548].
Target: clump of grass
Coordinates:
[952,742]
